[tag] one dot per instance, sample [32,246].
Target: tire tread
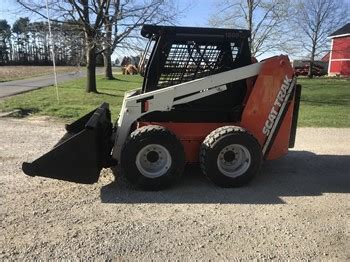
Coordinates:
[211,139]
[153,131]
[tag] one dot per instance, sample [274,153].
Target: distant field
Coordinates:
[8,73]
[324,103]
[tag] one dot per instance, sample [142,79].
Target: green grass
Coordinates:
[74,101]
[325,102]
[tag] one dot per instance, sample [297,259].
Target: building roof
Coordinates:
[326,57]
[345,30]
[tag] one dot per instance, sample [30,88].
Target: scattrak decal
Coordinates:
[277,109]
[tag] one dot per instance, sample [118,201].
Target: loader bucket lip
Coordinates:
[28,169]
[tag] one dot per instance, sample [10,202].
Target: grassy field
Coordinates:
[325,102]
[74,101]
[8,73]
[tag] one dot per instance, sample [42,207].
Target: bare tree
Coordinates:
[314,21]
[88,15]
[105,23]
[125,16]
[265,19]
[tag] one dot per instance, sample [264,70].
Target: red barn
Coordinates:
[339,58]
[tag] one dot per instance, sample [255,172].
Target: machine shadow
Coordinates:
[300,173]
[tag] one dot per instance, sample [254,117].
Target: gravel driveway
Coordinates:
[298,208]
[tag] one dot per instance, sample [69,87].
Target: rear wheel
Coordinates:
[152,158]
[230,156]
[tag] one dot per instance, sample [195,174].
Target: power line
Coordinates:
[53,51]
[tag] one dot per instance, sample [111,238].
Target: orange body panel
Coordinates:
[258,102]
[191,135]
[261,101]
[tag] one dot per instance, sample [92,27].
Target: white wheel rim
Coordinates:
[153,160]
[234,160]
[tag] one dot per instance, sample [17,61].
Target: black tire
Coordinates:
[138,156]
[220,149]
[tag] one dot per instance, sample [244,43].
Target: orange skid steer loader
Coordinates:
[203,100]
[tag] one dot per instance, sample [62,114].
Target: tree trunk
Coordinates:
[310,74]
[250,4]
[312,60]
[91,70]
[107,62]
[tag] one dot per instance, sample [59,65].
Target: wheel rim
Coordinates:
[234,160]
[153,160]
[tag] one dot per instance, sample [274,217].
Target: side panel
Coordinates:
[269,109]
[341,48]
[340,60]
[340,68]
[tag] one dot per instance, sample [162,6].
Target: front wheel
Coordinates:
[230,156]
[152,158]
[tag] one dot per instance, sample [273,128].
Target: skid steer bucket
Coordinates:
[81,153]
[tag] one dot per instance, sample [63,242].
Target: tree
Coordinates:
[5,34]
[264,18]
[117,62]
[125,16]
[20,28]
[98,20]
[39,35]
[91,19]
[26,43]
[315,20]
[87,15]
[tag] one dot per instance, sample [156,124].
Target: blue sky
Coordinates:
[7,10]
[197,12]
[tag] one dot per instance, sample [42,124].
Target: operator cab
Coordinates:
[176,55]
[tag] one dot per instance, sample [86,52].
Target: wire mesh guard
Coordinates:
[186,62]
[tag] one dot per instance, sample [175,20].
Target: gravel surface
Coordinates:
[297,208]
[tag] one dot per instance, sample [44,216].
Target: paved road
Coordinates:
[11,88]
